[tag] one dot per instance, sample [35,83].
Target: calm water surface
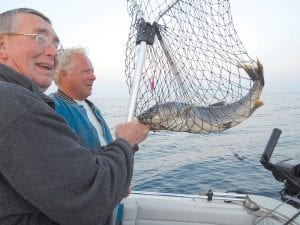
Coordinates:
[192,163]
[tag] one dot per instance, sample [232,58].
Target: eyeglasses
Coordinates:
[42,39]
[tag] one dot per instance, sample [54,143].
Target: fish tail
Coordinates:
[254,72]
[259,70]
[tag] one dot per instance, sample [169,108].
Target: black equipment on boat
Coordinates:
[284,172]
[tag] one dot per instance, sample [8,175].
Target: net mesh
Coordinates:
[195,55]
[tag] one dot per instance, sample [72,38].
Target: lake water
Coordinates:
[192,163]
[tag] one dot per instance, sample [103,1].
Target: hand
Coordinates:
[133,131]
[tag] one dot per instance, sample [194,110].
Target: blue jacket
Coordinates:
[76,117]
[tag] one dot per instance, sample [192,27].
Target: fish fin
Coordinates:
[189,109]
[221,103]
[258,103]
[227,125]
[254,72]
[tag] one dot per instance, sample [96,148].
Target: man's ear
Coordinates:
[3,49]
[63,76]
[1,40]
[3,54]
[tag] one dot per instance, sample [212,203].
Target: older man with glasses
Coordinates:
[46,176]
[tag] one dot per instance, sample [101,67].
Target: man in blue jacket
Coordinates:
[74,78]
[46,176]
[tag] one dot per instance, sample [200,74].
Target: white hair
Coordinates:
[65,62]
[8,18]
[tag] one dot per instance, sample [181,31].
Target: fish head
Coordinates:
[159,116]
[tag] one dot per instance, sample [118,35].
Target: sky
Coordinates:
[269,30]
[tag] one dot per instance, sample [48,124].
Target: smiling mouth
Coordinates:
[45,66]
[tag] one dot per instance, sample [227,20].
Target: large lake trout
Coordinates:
[184,117]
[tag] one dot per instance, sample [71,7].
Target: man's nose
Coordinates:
[93,76]
[52,51]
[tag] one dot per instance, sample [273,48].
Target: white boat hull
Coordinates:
[144,208]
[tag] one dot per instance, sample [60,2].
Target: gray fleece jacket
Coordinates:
[46,177]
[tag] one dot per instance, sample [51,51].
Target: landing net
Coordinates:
[194,55]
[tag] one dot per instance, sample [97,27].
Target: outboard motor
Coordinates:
[283,171]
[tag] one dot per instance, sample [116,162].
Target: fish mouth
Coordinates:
[157,127]
[153,126]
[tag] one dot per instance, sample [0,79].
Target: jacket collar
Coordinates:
[9,75]
[65,97]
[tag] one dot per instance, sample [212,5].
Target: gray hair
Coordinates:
[8,18]
[65,62]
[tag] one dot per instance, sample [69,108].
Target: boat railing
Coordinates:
[207,195]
